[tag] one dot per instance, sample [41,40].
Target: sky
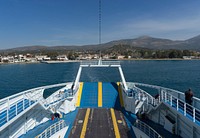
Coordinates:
[75,22]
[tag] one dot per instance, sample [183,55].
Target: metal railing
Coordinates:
[12,106]
[57,97]
[51,130]
[147,129]
[16,104]
[181,106]
[172,97]
[102,63]
[141,96]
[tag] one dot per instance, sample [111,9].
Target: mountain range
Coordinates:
[144,42]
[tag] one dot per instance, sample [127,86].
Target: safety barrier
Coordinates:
[13,106]
[57,97]
[51,130]
[147,129]
[102,63]
[8,114]
[172,97]
[180,105]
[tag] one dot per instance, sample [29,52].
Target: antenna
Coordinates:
[100,26]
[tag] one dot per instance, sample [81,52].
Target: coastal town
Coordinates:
[30,58]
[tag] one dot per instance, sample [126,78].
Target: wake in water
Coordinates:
[100,74]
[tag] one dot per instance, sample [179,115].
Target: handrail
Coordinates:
[147,129]
[56,97]
[51,130]
[142,94]
[14,105]
[102,63]
[176,100]
[31,90]
[178,94]
[181,105]
[151,99]
[5,102]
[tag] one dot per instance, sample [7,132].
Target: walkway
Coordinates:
[94,95]
[99,123]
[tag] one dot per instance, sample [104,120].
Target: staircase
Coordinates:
[143,101]
[56,98]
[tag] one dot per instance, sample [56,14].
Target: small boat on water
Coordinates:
[99,109]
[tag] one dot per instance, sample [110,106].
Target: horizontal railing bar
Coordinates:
[172,97]
[52,129]
[34,89]
[144,127]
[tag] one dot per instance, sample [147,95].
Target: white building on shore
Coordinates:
[7,59]
[62,58]
[42,57]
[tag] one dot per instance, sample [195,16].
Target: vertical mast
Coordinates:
[100,62]
[99,27]
[99,22]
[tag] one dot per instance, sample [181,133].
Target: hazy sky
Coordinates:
[75,22]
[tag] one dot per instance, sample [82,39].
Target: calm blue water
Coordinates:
[179,75]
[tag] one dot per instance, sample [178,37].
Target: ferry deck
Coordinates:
[99,109]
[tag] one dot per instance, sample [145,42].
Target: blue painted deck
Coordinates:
[15,109]
[109,95]
[89,98]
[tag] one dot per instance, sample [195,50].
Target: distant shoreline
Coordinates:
[55,61]
[71,61]
[161,59]
[19,63]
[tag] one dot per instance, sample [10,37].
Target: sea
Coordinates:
[175,74]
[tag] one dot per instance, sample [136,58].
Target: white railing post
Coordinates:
[160,94]
[23,104]
[177,106]
[194,115]
[45,134]
[29,102]
[76,83]
[123,78]
[16,109]
[8,102]
[50,131]
[170,99]
[184,109]
[139,96]
[165,97]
